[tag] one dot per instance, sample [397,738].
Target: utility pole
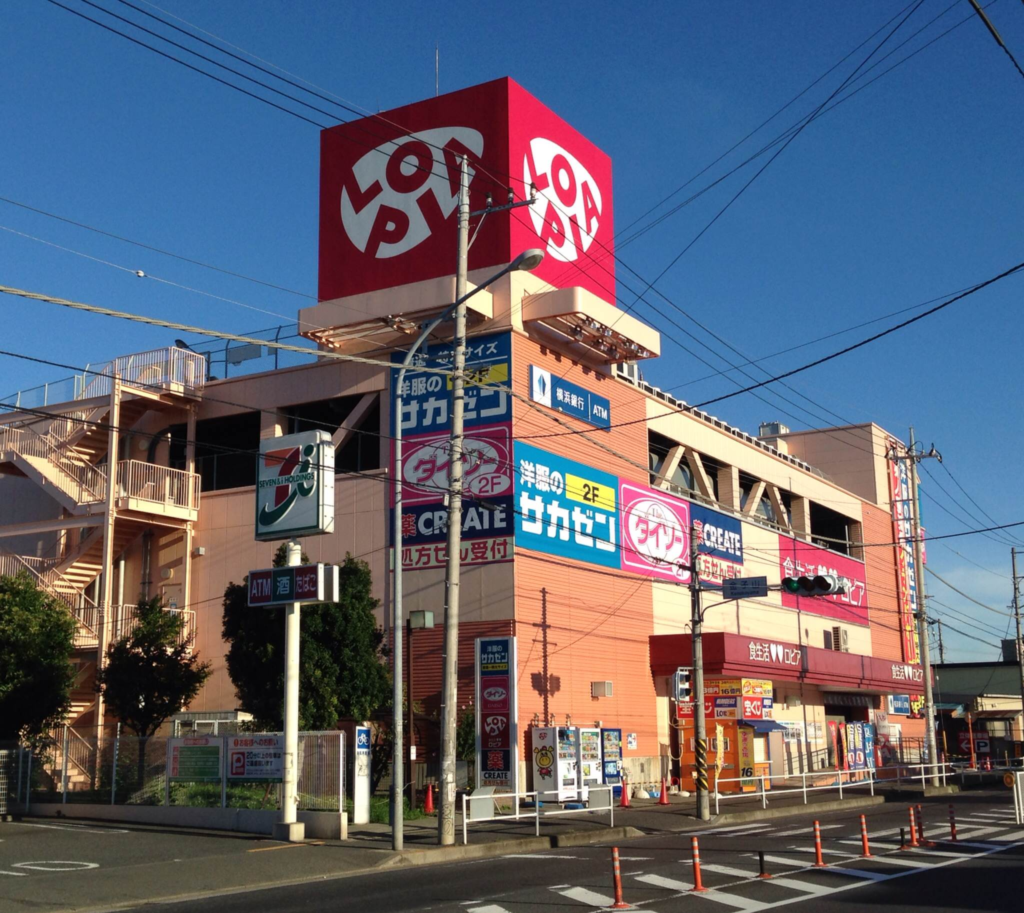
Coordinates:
[942,649]
[700,743]
[1020,643]
[922,611]
[450,683]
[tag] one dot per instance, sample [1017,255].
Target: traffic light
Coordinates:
[822,585]
[681,685]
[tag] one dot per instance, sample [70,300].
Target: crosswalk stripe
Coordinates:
[489,908]
[660,881]
[803,830]
[859,873]
[782,860]
[726,870]
[930,852]
[781,882]
[808,849]
[1014,837]
[903,861]
[745,828]
[732,900]
[590,898]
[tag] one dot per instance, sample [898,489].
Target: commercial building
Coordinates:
[584,484]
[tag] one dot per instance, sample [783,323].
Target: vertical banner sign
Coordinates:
[746,737]
[497,734]
[361,784]
[719,751]
[833,731]
[906,569]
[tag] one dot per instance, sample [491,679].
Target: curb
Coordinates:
[792,811]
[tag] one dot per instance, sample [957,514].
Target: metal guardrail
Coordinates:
[126,620]
[841,780]
[475,808]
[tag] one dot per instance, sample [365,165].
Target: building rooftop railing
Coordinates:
[171,370]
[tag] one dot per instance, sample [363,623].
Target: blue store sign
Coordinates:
[556,393]
[565,508]
[900,704]
[427,397]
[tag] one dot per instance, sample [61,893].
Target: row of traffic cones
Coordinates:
[624,798]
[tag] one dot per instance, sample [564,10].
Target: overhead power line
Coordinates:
[960,592]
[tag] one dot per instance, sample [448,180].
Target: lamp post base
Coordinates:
[295,832]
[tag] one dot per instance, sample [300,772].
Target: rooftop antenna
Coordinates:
[437,69]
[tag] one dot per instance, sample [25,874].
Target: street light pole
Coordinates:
[527,260]
[922,606]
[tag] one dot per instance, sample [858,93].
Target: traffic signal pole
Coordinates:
[700,731]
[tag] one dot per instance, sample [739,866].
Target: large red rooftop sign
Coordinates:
[389,192]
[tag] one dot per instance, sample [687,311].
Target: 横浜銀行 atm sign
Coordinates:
[565,508]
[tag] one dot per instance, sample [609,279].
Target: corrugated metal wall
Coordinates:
[880,564]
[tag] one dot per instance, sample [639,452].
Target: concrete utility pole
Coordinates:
[922,611]
[700,736]
[289,827]
[450,684]
[1016,615]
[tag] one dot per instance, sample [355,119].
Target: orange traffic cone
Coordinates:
[624,801]
[663,798]
[428,804]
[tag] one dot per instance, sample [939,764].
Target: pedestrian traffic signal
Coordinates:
[681,685]
[822,585]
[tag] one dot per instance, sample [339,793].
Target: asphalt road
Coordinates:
[981,872]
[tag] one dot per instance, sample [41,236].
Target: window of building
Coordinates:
[658,450]
[830,529]
[226,450]
[764,508]
[361,451]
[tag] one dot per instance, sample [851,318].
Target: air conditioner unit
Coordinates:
[600,689]
[845,644]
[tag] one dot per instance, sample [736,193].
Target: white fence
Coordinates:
[486,805]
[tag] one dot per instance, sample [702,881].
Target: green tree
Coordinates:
[341,667]
[151,673]
[36,641]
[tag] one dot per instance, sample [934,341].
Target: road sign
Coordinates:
[745,588]
[307,583]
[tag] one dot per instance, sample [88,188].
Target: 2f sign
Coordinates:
[568,210]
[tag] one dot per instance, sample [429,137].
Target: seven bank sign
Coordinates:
[295,486]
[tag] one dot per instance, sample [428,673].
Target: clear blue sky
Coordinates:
[910,190]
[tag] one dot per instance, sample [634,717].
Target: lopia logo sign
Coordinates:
[568,209]
[404,190]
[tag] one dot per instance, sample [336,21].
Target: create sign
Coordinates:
[389,186]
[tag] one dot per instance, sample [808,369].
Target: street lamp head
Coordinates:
[528,260]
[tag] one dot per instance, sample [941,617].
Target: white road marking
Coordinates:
[2,872]
[624,858]
[740,903]
[81,828]
[590,898]
[928,851]
[860,873]
[782,860]
[727,870]
[490,908]
[660,881]
[745,828]
[56,865]
[803,830]
[909,863]
[1014,837]
[538,856]
[781,882]
[973,832]
[809,849]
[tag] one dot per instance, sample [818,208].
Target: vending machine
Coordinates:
[589,760]
[555,764]
[611,754]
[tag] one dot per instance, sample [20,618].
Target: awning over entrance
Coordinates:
[995,714]
[741,656]
[763,725]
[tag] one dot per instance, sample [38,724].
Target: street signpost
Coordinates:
[307,583]
[744,588]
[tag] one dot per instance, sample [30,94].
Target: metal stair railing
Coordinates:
[53,582]
[84,484]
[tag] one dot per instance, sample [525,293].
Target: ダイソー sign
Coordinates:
[304,584]
[295,486]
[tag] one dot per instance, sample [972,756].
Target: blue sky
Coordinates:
[910,190]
